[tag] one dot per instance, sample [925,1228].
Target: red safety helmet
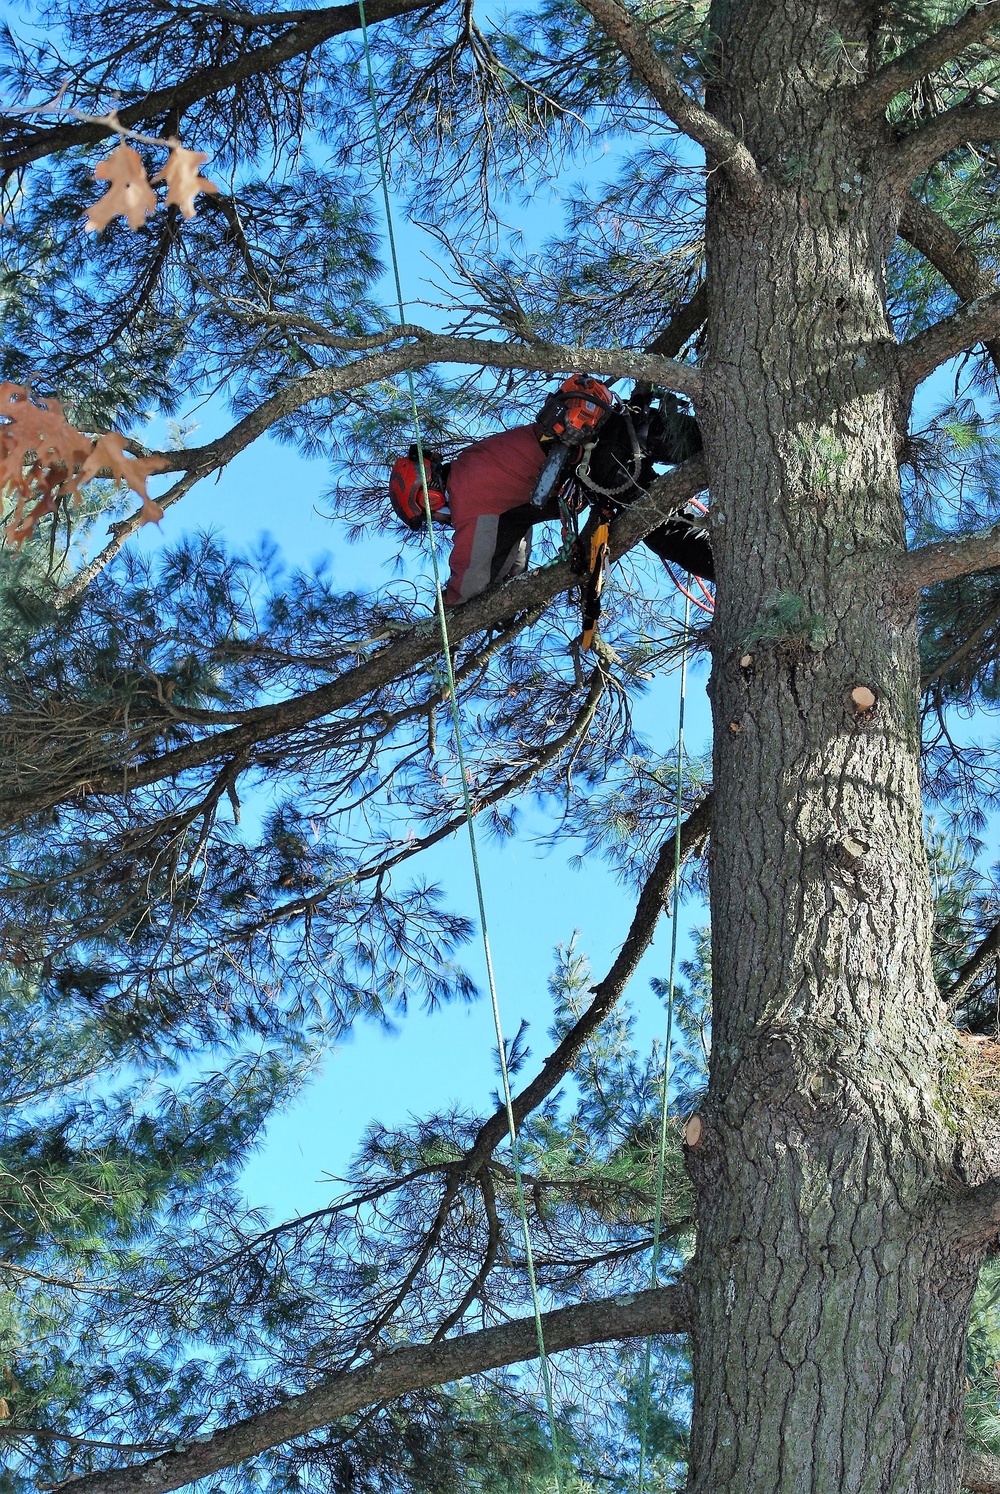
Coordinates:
[406,488]
[576,411]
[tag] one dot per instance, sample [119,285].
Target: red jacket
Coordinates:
[488,478]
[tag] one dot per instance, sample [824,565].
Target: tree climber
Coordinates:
[585,447]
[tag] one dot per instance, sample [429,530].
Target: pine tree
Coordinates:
[801,233]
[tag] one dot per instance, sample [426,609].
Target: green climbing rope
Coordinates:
[466,795]
[654,1270]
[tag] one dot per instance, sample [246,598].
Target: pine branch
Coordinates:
[541,759]
[908,68]
[724,149]
[311,31]
[945,249]
[265,723]
[945,559]
[978,321]
[419,1367]
[916,151]
[425,347]
[968,646]
[968,973]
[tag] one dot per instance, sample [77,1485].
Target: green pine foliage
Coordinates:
[177,959]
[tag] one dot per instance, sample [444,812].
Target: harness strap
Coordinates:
[583,470]
[596,571]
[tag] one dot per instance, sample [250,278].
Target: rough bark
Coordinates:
[982,1473]
[830,1297]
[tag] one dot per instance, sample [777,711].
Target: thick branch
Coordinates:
[309,32]
[664,1310]
[945,559]
[682,325]
[908,68]
[968,973]
[197,462]
[652,900]
[920,226]
[921,355]
[982,1473]
[422,642]
[974,1217]
[725,150]
[919,149]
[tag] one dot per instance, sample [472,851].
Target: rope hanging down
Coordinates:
[466,795]
[654,1270]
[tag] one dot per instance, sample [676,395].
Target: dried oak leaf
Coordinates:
[182,179]
[43,459]
[129,193]
[108,455]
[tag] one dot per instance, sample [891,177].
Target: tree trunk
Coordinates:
[830,1306]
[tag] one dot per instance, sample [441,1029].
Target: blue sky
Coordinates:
[534,901]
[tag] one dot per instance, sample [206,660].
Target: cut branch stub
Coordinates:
[694,1130]
[863,700]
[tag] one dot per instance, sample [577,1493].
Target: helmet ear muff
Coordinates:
[406,488]
[576,411]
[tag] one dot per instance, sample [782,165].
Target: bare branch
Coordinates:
[422,642]
[945,249]
[920,148]
[662,1310]
[682,325]
[974,1217]
[982,956]
[310,30]
[909,67]
[945,559]
[652,900]
[979,321]
[724,149]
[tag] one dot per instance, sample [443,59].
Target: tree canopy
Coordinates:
[218,773]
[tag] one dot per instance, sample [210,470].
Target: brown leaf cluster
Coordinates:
[130,194]
[44,459]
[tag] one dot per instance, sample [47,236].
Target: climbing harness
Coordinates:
[654,1269]
[464,779]
[631,478]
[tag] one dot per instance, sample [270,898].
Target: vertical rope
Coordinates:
[654,1270]
[466,795]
